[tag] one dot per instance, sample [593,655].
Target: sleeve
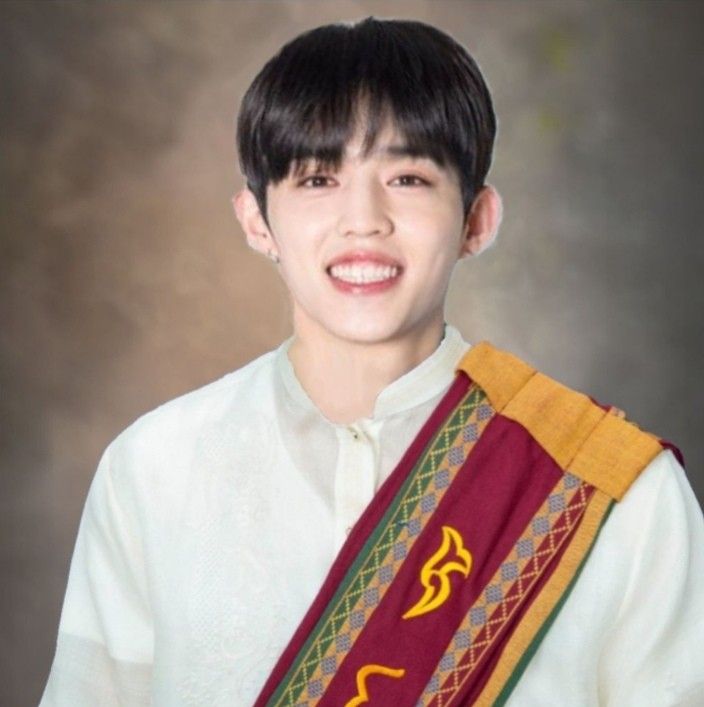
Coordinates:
[104,647]
[654,652]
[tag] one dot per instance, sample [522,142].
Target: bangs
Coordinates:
[309,100]
[320,143]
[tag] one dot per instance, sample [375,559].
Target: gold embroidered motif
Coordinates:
[364,672]
[434,595]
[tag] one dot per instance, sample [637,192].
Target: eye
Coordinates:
[419,181]
[305,182]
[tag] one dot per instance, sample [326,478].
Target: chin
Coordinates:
[367,332]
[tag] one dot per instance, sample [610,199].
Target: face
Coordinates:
[367,252]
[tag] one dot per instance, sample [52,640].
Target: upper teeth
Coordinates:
[363,273]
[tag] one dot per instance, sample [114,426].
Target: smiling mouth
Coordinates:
[364,279]
[358,274]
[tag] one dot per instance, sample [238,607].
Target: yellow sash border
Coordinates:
[545,602]
[601,448]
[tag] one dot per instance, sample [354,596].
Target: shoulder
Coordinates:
[235,388]
[593,441]
[166,435]
[640,595]
[658,524]
[657,529]
[660,507]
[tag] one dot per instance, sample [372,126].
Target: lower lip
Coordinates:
[366,288]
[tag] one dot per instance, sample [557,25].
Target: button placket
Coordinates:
[354,479]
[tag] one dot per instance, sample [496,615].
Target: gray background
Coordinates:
[125,279]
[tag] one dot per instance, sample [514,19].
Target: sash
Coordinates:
[455,571]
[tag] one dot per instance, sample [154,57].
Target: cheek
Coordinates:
[288,220]
[436,252]
[442,270]
[300,225]
[439,226]
[299,273]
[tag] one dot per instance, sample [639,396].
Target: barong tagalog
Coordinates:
[454,573]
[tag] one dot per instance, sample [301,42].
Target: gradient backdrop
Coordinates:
[125,279]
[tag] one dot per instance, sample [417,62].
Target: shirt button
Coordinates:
[354,433]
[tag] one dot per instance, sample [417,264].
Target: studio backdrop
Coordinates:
[125,279]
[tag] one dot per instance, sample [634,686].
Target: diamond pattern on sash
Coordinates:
[540,540]
[430,479]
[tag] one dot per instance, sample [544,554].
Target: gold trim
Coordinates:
[560,419]
[498,373]
[614,454]
[600,447]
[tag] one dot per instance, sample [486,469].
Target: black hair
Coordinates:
[305,102]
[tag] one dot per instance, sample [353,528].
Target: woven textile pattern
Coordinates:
[365,586]
[512,581]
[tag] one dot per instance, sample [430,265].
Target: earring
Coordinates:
[272,256]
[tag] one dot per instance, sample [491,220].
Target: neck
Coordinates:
[344,378]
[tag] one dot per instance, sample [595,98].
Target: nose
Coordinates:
[363,212]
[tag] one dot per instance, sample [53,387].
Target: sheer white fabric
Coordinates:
[212,521]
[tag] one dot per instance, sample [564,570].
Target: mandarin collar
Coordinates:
[429,378]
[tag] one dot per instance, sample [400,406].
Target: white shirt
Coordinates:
[211,523]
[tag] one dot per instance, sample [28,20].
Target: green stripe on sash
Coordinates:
[374,551]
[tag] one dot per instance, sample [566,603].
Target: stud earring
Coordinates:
[272,256]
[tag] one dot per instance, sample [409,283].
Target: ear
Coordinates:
[483,221]
[250,217]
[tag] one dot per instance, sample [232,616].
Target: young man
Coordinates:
[377,512]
